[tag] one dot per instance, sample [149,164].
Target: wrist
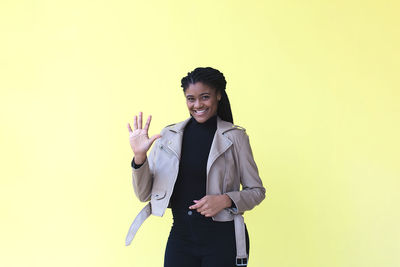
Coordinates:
[139,159]
[227,200]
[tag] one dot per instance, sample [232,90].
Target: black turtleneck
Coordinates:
[196,144]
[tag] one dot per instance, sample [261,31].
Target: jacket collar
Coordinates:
[219,145]
[222,126]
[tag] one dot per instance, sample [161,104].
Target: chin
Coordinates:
[200,119]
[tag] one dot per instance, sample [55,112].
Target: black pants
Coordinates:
[198,241]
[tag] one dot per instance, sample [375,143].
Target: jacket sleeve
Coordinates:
[253,191]
[142,177]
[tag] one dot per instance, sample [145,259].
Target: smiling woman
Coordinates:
[210,82]
[202,101]
[196,168]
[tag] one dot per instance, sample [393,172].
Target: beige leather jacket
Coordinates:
[230,164]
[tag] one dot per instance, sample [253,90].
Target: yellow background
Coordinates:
[315,83]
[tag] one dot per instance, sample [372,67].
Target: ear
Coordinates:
[219,96]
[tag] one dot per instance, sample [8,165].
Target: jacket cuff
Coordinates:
[134,165]
[233,208]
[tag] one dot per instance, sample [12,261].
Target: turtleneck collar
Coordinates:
[210,123]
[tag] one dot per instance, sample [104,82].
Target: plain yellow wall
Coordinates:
[315,83]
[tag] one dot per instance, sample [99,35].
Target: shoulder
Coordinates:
[239,138]
[170,126]
[167,128]
[233,129]
[237,134]
[174,127]
[237,127]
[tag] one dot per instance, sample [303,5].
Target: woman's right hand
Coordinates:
[139,138]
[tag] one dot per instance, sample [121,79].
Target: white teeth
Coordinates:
[200,111]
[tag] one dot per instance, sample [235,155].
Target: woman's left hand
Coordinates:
[210,205]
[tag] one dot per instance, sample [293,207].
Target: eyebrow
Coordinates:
[200,94]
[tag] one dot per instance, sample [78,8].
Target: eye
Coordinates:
[190,99]
[205,97]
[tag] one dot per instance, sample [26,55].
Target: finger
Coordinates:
[203,208]
[200,203]
[193,207]
[129,128]
[135,123]
[146,127]
[197,205]
[140,120]
[206,213]
[154,138]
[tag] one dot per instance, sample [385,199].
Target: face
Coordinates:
[202,101]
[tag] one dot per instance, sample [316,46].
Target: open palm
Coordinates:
[139,137]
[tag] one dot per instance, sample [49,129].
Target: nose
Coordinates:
[197,104]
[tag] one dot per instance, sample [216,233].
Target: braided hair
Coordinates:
[214,79]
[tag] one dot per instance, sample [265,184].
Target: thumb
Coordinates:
[154,138]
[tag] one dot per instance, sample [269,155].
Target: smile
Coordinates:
[200,112]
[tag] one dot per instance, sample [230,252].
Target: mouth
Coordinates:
[200,111]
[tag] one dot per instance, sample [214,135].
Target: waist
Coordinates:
[184,214]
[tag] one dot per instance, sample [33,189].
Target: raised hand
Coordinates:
[210,205]
[139,138]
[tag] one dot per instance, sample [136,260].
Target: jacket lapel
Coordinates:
[175,142]
[220,143]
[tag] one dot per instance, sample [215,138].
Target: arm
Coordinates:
[236,201]
[253,191]
[142,177]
